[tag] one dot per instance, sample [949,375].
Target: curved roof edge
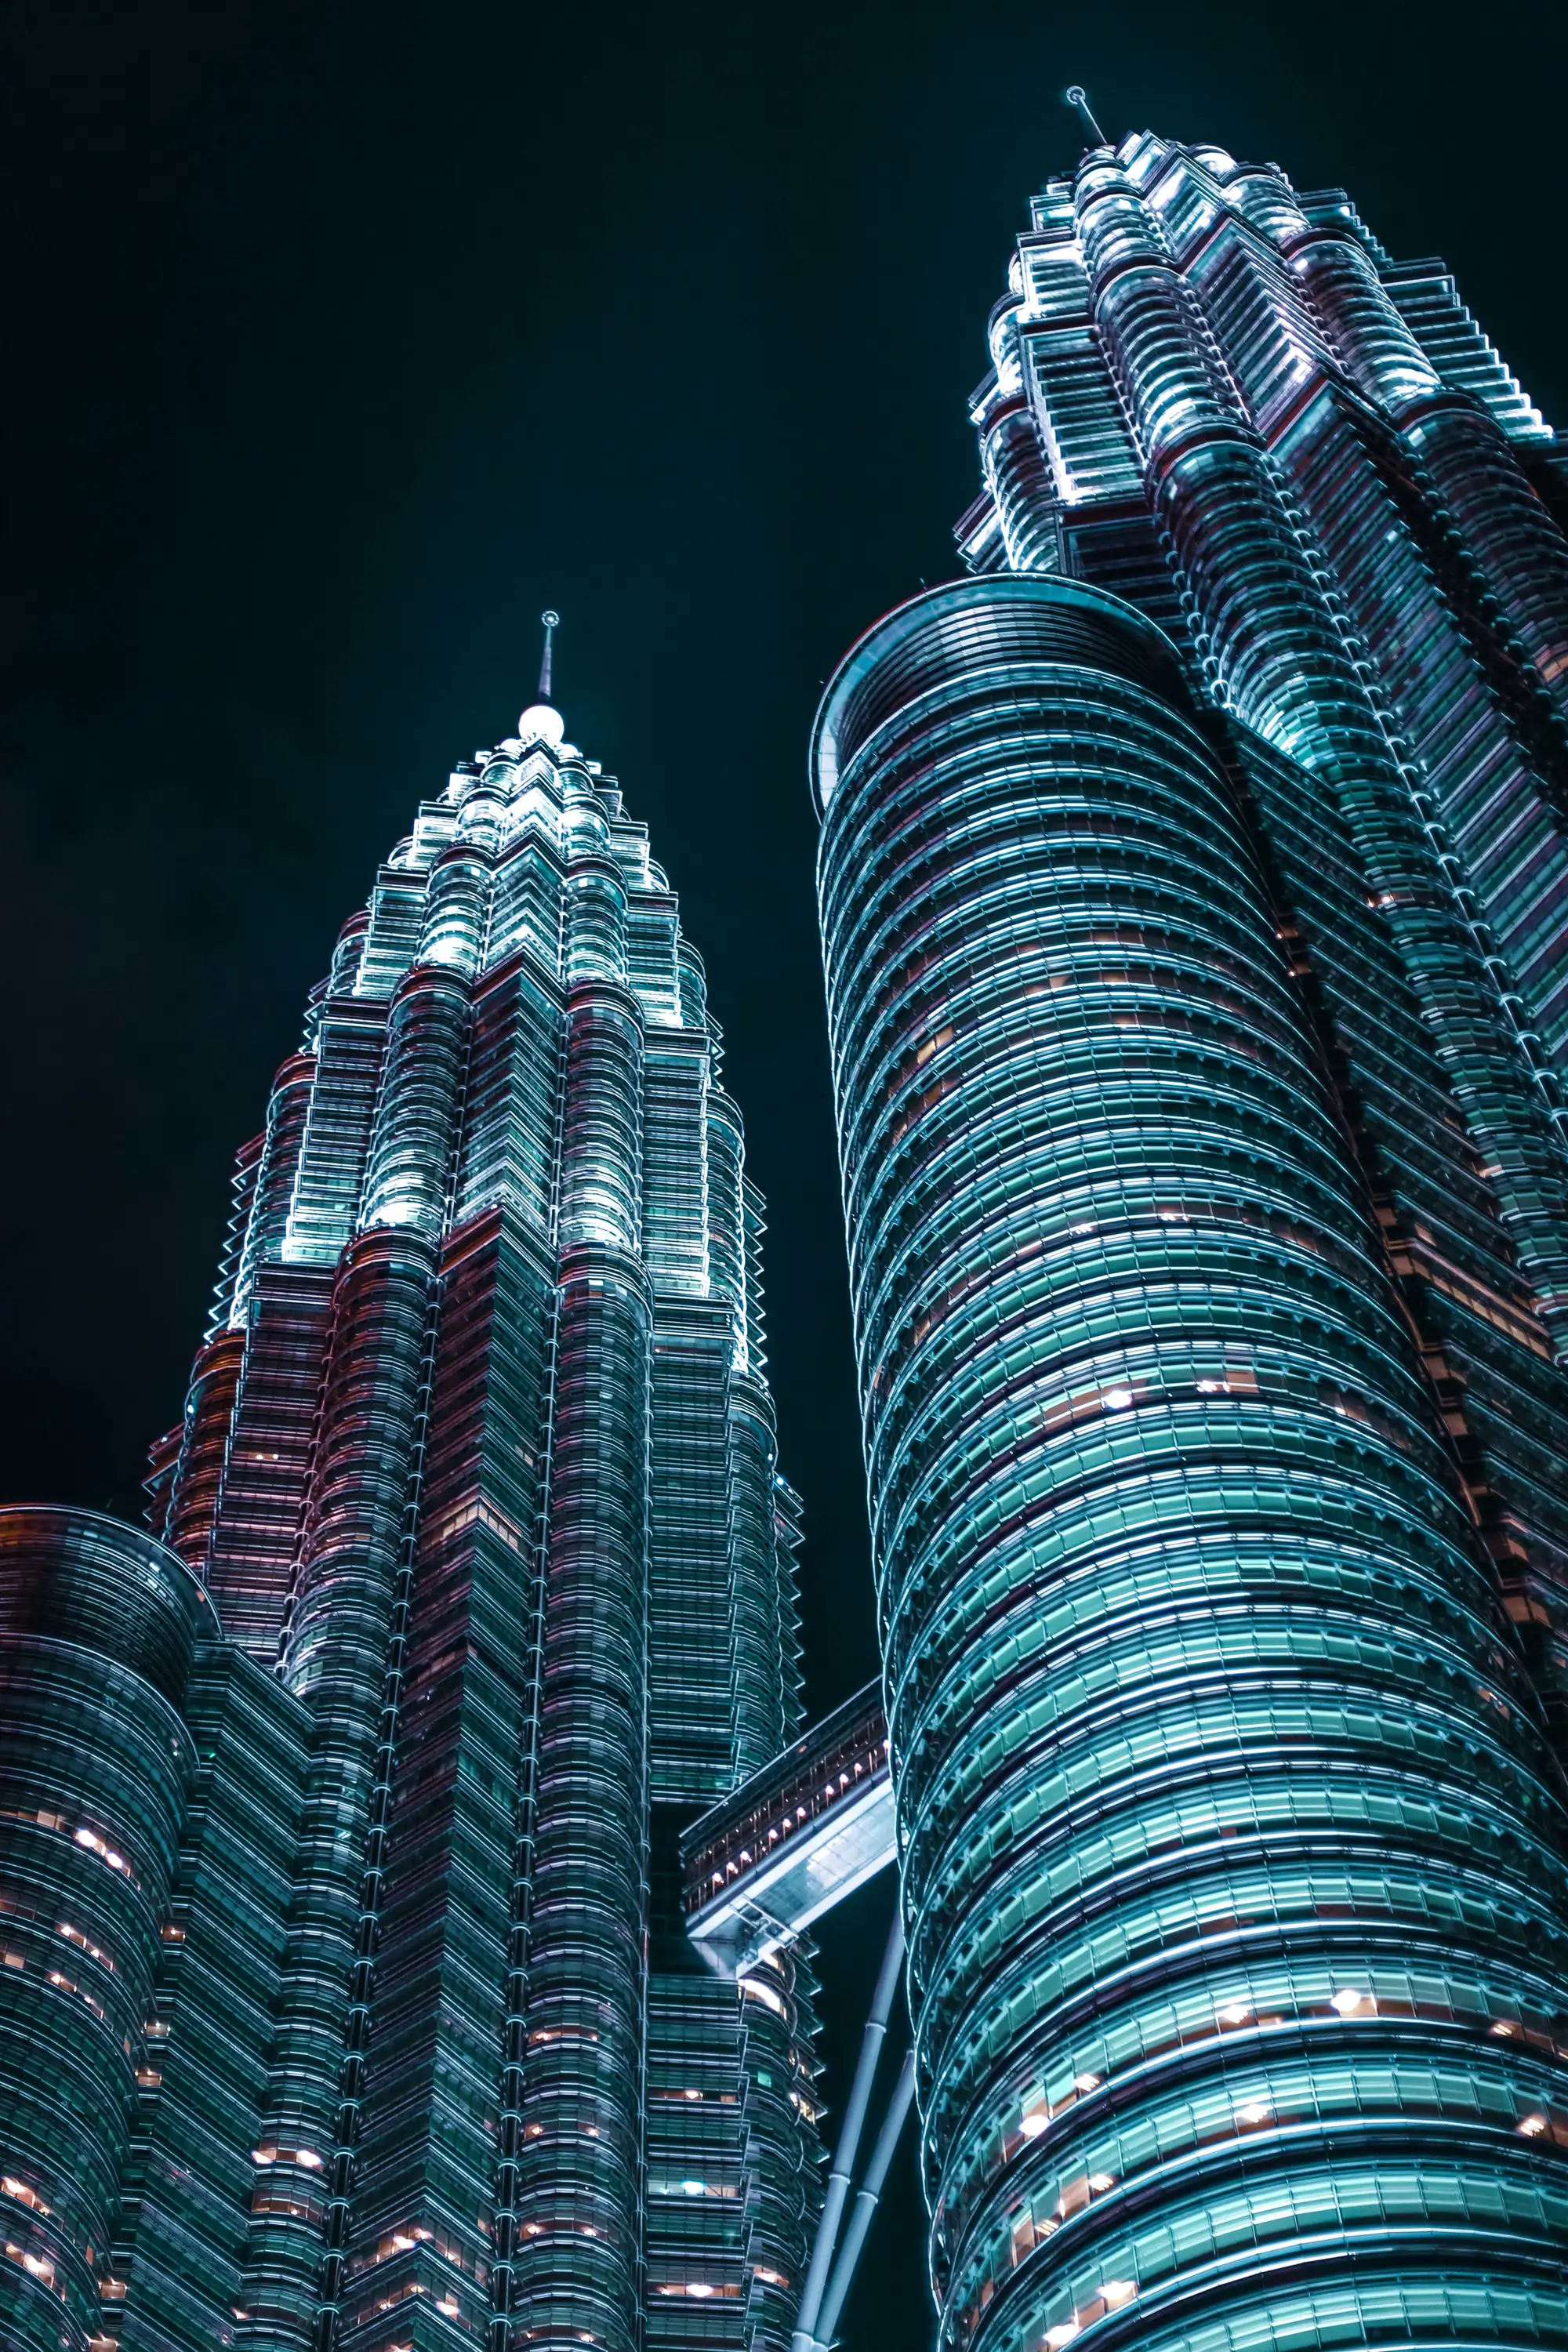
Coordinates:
[72,1525]
[1042,590]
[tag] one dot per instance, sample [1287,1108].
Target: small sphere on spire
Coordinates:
[540,724]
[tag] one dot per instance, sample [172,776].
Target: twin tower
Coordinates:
[407,1845]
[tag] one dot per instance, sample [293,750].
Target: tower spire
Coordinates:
[1076,97]
[542,722]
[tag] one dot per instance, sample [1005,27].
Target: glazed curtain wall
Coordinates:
[479,1434]
[1217,396]
[478,1472]
[150,1790]
[1232,1856]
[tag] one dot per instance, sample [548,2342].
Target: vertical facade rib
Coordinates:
[1231,1841]
[478,1575]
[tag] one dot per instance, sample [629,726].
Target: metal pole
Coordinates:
[1076,97]
[866,2202]
[849,2137]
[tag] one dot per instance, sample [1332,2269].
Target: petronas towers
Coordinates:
[409,1843]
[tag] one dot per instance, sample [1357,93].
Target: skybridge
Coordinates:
[793,1839]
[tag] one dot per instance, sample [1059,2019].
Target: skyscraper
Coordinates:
[347,1999]
[1190,893]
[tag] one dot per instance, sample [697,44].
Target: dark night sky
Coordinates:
[343,338]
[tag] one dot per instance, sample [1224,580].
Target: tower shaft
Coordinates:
[475,1517]
[1192,888]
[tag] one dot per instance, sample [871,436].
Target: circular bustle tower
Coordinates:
[1232,1857]
[98,1626]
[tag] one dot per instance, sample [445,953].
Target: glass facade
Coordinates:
[1221,400]
[358,1783]
[1192,919]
